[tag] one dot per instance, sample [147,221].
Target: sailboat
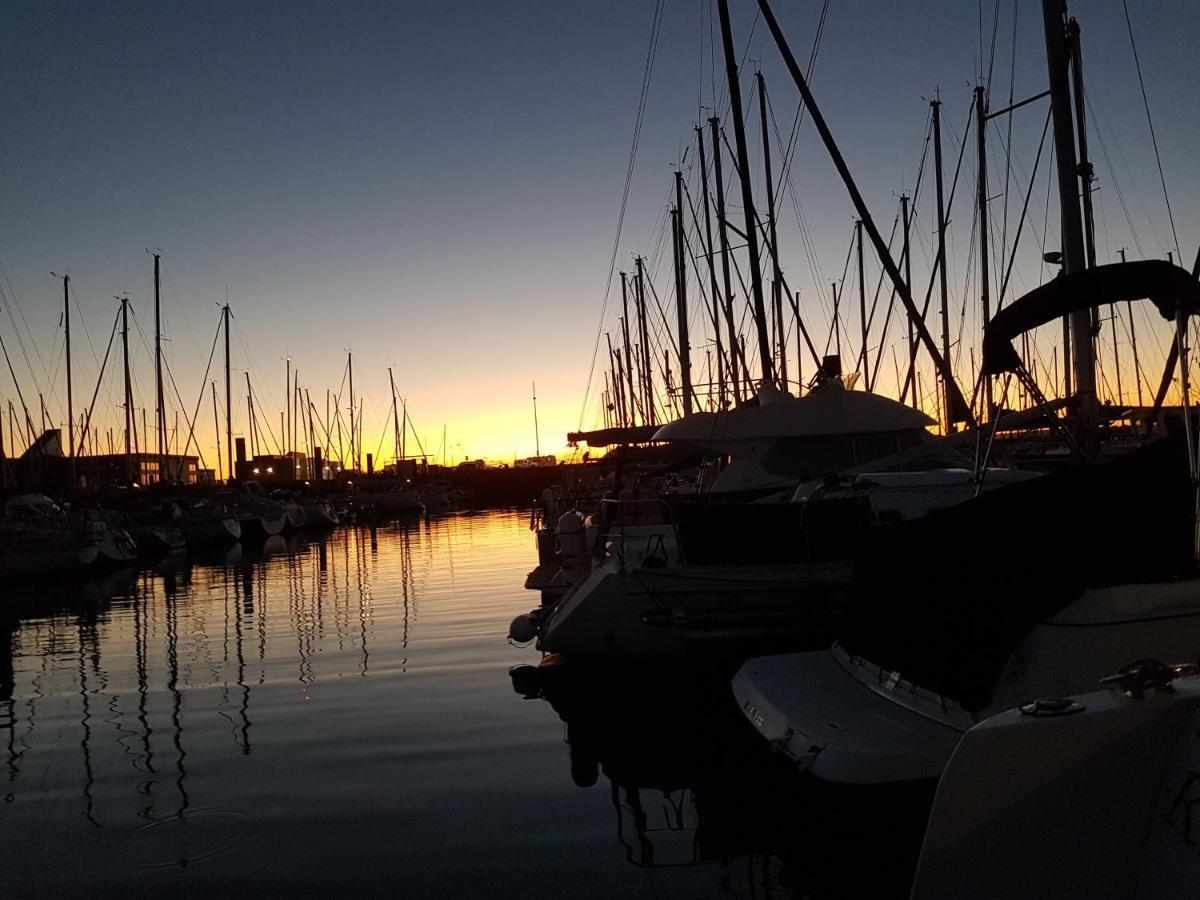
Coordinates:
[1037,589]
[711,575]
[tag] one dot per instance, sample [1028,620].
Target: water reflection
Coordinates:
[332,714]
[690,784]
[151,657]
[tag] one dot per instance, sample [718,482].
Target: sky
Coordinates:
[436,186]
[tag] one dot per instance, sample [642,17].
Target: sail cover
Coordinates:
[828,411]
[1166,285]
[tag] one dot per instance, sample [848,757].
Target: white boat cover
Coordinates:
[1095,798]
[842,730]
[828,411]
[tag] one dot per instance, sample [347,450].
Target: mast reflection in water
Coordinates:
[335,715]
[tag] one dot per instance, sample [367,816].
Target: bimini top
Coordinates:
[828,411]
[1166,285]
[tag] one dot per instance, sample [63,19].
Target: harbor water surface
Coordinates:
[337,714]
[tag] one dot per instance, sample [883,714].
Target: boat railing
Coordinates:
[540,517]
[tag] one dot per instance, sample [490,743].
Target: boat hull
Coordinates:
[848,721]
[650,612]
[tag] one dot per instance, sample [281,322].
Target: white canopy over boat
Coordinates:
[827,429]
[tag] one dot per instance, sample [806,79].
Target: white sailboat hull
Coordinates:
[1097,802]
[846,720]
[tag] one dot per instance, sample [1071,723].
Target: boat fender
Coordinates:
[523,629]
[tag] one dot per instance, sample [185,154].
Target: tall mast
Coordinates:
[160,412]
[287,405]
[294,400]
[647,371]
[615,385]
[947,409]
[251,419]
[622,397]
[881,248]
[907,252]
[723,236]
[1084,168]
[537,437]
[982,191]
[217,433]
[395,417]
[228,401]
[712,272]
[1086,177]
[685,350]
[862,307]
[128,390]
[353,444]
[625,337]
[314,471]
[739,133]
[1073,255]
[776,271]
[66,280]
[837,323]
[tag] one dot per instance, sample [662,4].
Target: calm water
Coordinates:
[338,715]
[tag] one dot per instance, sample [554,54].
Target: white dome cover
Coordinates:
[829,410]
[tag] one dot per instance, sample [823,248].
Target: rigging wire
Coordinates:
[1150,123]
[648,68]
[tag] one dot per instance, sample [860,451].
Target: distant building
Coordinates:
[45,462]
[138,468]
[273,469]
[535,462]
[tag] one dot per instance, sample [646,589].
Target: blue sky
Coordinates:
[436,185]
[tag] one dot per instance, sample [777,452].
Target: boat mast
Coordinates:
[1074,259]
[287,406]
[981,199]
[935,106]
[723,236]
[314,471]
[228,400]
[395,419]
[625,338]
[647,372]
[66,280]
[776,270]
[881,249]
[160,412]
[685,350]
[712,273]
[743,160]
[128,389]
[907,252]
[537,437]
[614,384]
[217,433]
[353,444]
[251,419]
[294,400]
[862,307]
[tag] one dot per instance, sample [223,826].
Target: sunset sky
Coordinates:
[436,185]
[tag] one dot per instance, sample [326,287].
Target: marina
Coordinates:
[875,584]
